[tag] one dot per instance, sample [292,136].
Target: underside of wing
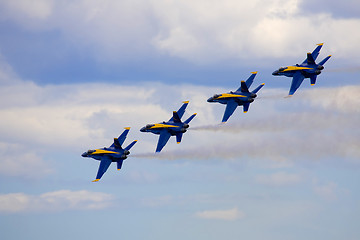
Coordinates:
[163,139]
[229,110]
[104,165]
[296,82]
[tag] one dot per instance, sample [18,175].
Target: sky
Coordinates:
[74,73]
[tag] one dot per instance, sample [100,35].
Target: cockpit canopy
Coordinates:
[216,95]
[149,125]
[90,151]
[282,69]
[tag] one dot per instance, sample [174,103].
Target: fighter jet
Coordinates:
[114,153]
[173,127]
[307,69]
[242,96]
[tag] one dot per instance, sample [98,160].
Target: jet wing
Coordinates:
[230,108]
[163,139]
[296,82]
[181,110]
[104,165]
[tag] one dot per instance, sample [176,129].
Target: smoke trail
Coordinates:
[353,69]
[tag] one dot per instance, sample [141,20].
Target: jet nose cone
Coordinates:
[84,154]
[143,129]
[210,99]
[275,73]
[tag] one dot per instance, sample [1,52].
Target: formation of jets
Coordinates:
[175,127]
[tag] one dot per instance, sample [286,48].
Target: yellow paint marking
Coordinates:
[101,151]
[177,142]
[159,125]
[254,72]
[229,95]
[96,180]
[294,68]
[320,44]
[127,128]
[186,102]
[312,84]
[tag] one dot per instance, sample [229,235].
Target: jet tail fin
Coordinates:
[131,145]
[250,80]
[190,118]
[176,117]
[310,59]
[324,60]
[120,140]
[181,110]
[243,88]
[258,88]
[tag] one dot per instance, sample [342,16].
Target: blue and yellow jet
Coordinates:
[114,153]
[242,96]
[174,127]
[308,69]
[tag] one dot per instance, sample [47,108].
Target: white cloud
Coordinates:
[201,31]
[327,191]
[229,215]
[278,179]
[61,200]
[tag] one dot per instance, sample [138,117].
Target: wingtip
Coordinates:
[185,101]
[254,72]
[195,114]
[96,180]
[320,44]
[263,84]
[312,84]
[243,81]
[118,169]
[127,128]
[178,142]
[245,111]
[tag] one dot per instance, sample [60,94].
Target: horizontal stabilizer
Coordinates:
[176,117]
[258,88]
[325,60]
[190,118]
[313,80]
[178,137]
[131,145]
[119,164]
[246,107]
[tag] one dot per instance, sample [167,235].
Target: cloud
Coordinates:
[228,215]
[278,179]
[200,31]
[61,200]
